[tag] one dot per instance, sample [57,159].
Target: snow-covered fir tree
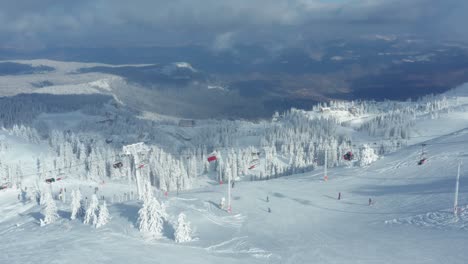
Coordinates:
[91,211]
[104,216]
[77,205]
[183,231]
[49,209]
[152,215]
[367,155]
[143,217]
[157,215]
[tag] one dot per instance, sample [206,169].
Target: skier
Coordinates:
[269,209]
[232,184]
[339,196]
[267,199]
[370,201]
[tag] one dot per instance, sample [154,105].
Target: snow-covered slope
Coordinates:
[293,219]
[410,220]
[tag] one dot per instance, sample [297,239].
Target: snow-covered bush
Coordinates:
[183,232]
[49,209]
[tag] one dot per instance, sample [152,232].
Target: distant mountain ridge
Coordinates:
[254,81]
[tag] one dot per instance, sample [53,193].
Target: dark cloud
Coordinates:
[32,23]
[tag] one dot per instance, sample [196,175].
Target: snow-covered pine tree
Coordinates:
[74,205]
[49,209]
[157,215]
[91,216]
[77,206]
[367,155]
[104,216]
[152,214]
[183,232]
[143,216]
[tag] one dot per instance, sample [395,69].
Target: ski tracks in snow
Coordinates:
[232,220]
[239,245]
[439,219]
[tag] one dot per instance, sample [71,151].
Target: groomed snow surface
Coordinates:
[410,220]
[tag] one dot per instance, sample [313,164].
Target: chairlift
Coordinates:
[253,163]
[50,180]
[348,156]
[117,165]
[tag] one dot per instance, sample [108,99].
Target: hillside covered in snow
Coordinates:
[343,182]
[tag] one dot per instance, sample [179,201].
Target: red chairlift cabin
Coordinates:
[254,163]
[348,156]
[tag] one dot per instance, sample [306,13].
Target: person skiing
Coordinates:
[232,184]
[267,199]
[269,209]
[370,201]
[339,196]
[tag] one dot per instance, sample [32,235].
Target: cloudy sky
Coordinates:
[220,23]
